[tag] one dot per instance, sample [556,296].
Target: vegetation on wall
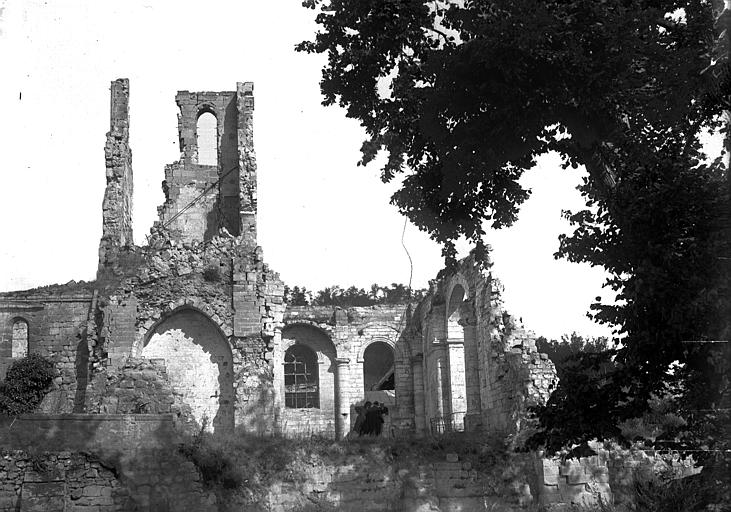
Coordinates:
[352,297]
[26,383]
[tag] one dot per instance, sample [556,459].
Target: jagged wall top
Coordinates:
[204,198]
[117,204]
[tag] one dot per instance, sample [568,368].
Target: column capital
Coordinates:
[340,361]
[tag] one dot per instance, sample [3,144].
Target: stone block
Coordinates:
[43,497]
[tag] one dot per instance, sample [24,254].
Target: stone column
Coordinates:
[473,416]
[417,372]
[456,367]
[443,388]
[342,406]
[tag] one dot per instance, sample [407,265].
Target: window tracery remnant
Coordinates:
[301,381]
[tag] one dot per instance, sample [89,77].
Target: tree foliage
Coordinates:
[464,95]
[26,383]
[353,296]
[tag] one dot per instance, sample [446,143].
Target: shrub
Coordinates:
[26,383]
[215,464]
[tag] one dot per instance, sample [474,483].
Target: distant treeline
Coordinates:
[349,297]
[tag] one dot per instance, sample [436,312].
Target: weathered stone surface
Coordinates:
[117,205]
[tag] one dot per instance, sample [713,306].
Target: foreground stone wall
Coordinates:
[138,450]
[130,462]
[362,485]
[607,476]
[66,481]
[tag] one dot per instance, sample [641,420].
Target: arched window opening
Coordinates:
[378,368]
[454,314]
[207,135]
[19,346]
[301,383]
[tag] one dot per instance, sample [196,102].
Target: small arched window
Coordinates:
[206,138]
[301,382]
[19,345]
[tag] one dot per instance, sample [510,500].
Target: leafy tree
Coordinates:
[297,296]
[567,353]
[570,344]
[353,296]
[26,383]
[464,96]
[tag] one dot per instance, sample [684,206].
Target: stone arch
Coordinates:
[398,352]
[206,131]
[463,351]
[301,377]
[378,359]
[199,364]
[312,420]
[19,340]
[458,292]
[225,325]
[288,324]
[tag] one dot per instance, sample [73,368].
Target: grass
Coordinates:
[247,465]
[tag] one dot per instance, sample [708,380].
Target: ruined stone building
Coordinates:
[194,323]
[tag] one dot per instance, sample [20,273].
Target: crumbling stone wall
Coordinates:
[360,484]
[58,481]
[141,386]
[563,484]
[474,367]
[170,279]
[117,205]
[233,207]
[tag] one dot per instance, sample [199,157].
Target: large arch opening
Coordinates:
[458,361]
[306,376]
[455,330]
[207,139]
[199,365]
[378,367]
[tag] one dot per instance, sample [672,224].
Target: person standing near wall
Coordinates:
[360,418]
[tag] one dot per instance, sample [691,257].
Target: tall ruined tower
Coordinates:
[213,185]
[117,205]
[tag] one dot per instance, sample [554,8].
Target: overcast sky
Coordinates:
[322,220]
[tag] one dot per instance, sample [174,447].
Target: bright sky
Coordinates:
[322,220]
